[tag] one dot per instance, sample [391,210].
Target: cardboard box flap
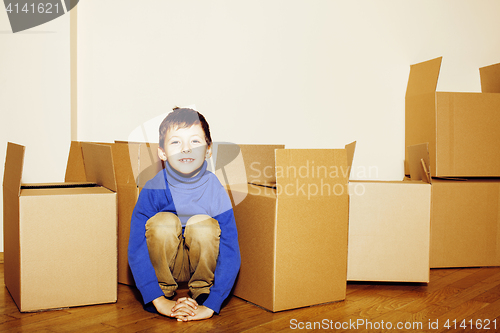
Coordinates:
[75,170]
[490,78]
[13,171]
[136,162]
[423,77]
[350,148]
[122,159]
[301,170]
[98,160]
[419,162]
[149,163]
[246,163]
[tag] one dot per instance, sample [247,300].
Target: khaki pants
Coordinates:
[178,258]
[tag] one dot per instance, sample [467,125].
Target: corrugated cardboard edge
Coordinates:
[98,161]
[490,78]
[350,149]
[11,190]
[13,170]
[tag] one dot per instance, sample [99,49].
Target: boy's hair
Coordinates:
[183,118]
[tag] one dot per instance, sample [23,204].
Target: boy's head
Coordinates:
[185,141]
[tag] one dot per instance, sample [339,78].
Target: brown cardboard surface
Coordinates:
[465,223]
[257,245]
[389,231]
[294,236]
[75,169]
[257,161]
[490,78]
[389,225]
[67,240]
[134,164]
[461,128]
[98,161]
[57,238]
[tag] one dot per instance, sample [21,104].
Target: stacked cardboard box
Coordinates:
[291,210]
[464,141]
[60,239]
[389,227]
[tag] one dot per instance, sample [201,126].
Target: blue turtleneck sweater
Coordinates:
[202,194]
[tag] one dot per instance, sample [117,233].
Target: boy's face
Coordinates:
[185,149]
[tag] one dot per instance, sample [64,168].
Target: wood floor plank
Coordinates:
[455,294]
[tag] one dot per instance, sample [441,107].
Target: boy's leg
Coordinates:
[202,235]
[165,246]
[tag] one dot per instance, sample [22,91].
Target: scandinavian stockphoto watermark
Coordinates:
[309,179]
[25,15]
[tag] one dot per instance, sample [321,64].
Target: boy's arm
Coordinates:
[228,261]
[138,254]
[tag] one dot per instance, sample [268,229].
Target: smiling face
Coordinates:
[185,149]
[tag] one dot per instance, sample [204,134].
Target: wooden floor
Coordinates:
[453,295]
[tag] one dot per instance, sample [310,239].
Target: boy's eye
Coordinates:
[175,142]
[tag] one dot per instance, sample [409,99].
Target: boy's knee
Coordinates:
[202,225]
[163,224]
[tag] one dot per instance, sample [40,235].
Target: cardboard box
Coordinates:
[465,223]
[461,128]
[389,231]
[292,225]
[389,228]
[134,164]
[60,239]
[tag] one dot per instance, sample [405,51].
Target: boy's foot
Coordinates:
[151,308]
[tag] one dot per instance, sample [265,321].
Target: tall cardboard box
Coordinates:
[60,239]
[389,228]
[292,225]
[134,164]
[465,223]
[461,128]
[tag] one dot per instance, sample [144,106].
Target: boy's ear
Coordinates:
[209,152]
[161,154]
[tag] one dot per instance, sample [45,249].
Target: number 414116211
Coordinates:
[39,8]
[480,324]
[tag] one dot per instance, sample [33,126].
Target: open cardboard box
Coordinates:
[389,226]
[134,164]
[291,210]
[461,128]
[465,222]
[60,239]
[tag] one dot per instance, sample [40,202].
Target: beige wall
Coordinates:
[304,73]
[35,98]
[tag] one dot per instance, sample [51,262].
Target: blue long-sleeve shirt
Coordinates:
[185,197]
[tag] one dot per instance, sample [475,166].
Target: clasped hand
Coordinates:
[184,309]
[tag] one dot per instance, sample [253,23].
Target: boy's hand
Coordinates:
[166,307]
[201,312]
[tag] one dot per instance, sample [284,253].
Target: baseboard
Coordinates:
[1,257]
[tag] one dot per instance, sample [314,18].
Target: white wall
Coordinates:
[308,74]
[312,74]
[35,98]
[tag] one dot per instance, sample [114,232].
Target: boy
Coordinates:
[183,227]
